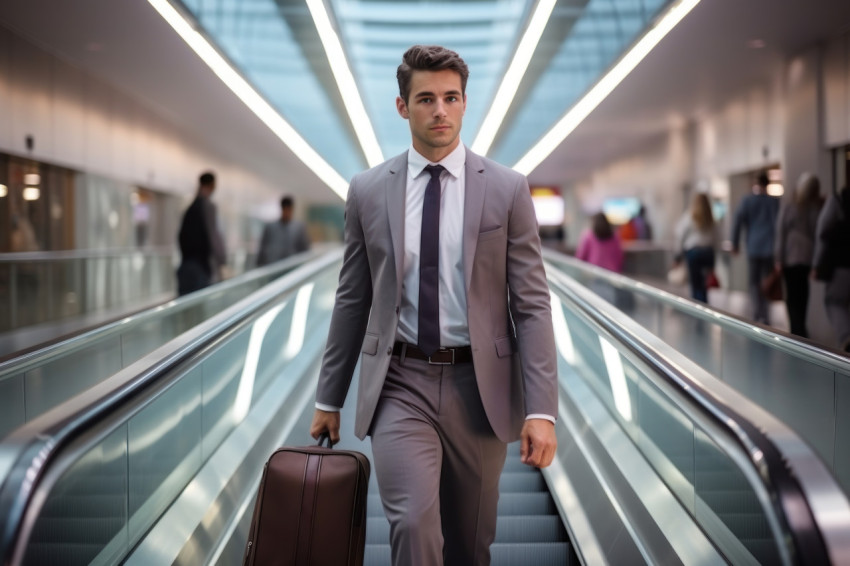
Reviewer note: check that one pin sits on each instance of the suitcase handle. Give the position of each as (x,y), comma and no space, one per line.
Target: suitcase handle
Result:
(325,436)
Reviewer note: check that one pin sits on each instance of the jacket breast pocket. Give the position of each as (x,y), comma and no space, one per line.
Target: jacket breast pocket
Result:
(370,344)
(491,234)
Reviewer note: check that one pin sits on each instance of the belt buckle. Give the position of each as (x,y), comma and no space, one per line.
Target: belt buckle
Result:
(451,363)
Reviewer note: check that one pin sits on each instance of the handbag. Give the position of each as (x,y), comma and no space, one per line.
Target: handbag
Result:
(771,286)
(711,281)
(678,274)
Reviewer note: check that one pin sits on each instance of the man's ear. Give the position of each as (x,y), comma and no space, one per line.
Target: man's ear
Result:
(402,108)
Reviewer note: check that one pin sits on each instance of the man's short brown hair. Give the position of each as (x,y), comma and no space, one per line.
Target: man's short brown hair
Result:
(429,58)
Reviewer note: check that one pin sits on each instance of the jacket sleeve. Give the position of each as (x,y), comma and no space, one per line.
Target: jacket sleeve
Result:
(830,217)
(263,251)
(350,313)
(781,234)
(740,220)
(530,306)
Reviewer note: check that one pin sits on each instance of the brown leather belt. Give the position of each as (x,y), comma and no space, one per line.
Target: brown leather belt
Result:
(443,356)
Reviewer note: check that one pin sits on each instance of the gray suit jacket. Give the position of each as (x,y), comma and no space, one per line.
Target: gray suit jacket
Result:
(510,323)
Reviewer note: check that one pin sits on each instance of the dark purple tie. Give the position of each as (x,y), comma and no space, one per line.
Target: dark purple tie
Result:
(429,265)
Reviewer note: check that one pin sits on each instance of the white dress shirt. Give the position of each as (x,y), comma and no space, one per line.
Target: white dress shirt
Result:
(454,327)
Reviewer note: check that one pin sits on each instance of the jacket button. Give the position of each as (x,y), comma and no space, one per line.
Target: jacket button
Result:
(389,351)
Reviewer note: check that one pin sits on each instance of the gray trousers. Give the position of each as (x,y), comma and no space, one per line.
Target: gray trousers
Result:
(438,465)
(837,304)
(759,268)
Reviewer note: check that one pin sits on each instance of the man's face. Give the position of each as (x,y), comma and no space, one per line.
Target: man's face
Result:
(435,109)
(286,213)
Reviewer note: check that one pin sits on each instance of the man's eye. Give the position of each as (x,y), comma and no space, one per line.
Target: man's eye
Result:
(425,100)
(452,99)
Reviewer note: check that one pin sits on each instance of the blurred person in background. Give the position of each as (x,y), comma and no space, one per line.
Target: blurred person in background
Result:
(600,246)
(795,247)
(637,228)
(757,215)
(201,246)
(698,238)
(283,237)
(832,262)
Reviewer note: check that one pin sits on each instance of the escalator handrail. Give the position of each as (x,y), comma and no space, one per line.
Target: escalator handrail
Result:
(51,351)
(810,504)
(35,449)
(792,345)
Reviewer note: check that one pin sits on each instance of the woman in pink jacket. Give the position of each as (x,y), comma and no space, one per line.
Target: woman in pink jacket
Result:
(600,246)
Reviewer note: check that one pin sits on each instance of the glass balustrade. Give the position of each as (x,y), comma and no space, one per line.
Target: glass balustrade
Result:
(802,385)
(708,482)
(33,384)
(135,467)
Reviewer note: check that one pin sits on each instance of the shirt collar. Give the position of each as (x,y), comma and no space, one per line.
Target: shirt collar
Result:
(453,162)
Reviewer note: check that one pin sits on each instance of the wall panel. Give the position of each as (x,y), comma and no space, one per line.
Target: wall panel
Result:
(69,114)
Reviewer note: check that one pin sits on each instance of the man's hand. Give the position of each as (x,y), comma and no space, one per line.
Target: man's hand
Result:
(324,421)
(538,443)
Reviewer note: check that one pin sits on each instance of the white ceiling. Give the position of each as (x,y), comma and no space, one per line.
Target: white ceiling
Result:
(142,55)
(702,63)
(698,67)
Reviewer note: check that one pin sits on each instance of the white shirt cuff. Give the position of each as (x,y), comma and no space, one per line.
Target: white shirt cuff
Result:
(328,408)
(549,418)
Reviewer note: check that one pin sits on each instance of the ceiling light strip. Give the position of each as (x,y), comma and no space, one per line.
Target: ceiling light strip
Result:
(510,83)
(346,83)
(570,121)
(252,99)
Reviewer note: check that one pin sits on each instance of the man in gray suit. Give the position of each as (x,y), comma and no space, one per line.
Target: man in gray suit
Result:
(443,291)
(283,237)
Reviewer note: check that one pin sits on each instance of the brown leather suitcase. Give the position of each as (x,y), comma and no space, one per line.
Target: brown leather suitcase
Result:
(311,509)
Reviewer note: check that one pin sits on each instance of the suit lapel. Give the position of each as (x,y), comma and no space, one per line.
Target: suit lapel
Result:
(396,191)
(476,185)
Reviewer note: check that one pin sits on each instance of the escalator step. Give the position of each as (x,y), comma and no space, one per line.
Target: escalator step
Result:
(62,553)
(731,501)
(512,482)
(513,530)
(76,529)
(545,554)
(87,505)
(539,503)
(528,479)
(750,526)
(722,480)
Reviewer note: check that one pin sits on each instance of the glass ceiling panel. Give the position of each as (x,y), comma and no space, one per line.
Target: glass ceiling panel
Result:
(376,33)
(276,47)
(600,34)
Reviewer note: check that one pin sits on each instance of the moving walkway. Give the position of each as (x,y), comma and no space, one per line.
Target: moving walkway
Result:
(658,460)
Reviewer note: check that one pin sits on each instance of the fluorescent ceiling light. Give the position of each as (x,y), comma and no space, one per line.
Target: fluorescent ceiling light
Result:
(346,83)
(32,179)
(565,126)
(299,321)
(4,190)
(617,378)
(245,392)
(31,193)
(252,99)
(563,338)
(513,77)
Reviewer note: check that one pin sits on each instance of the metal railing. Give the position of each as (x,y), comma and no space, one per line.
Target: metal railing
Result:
(35,382)
(803,385)
(681,418)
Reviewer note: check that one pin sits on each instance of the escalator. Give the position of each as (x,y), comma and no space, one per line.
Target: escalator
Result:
(33,383)
(658,461)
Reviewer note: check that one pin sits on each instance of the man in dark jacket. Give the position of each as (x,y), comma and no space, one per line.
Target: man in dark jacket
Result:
(201,246)
(832,262)
(757,214)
